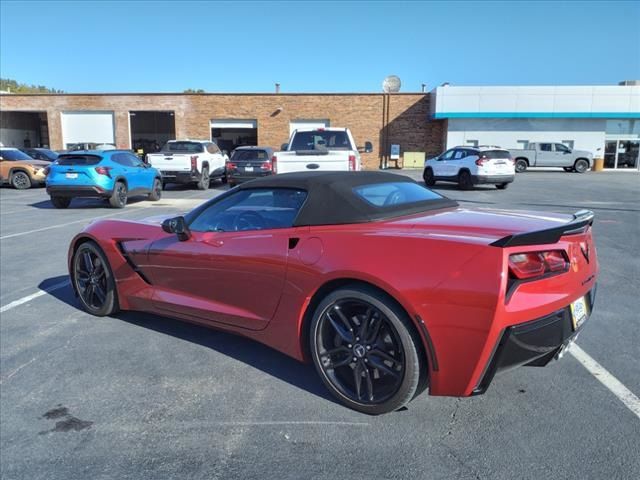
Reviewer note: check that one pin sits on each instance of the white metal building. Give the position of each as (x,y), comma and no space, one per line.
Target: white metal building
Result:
(602,119)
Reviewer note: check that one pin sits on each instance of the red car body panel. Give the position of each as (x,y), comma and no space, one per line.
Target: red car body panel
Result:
(438,265)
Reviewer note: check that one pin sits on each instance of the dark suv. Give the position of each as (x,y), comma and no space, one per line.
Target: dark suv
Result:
(247,163)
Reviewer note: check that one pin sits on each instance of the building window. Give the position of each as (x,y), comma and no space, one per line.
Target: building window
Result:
(568,143)
(523,144)
(473,143)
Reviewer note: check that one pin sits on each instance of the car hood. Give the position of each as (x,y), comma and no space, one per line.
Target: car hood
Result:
(484,225)
(36,163)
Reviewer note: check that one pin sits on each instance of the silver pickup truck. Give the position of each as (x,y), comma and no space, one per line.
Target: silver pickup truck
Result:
(549,154)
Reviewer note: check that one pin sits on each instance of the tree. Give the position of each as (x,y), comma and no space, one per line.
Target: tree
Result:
(12,86)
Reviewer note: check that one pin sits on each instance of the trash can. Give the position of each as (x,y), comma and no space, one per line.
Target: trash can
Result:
(598,164)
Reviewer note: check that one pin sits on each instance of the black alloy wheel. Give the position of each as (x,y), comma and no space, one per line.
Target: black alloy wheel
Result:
(156,191)
(427,176)
(118,198)
(93,280)
(364,351)
(20,180)
(464,180)
(581,165)
(521,165)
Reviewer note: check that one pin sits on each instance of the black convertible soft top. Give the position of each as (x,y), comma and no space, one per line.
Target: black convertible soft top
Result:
(332,198)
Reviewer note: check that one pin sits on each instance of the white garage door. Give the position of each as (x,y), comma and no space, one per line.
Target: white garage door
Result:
(87,127)
(321,123)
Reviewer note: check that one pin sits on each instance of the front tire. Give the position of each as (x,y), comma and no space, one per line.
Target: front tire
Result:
(428,177)
(20,181)
(581,165)
(521,165)
(118,198)
(502,186)
(365,350)
(156,191)
(61,202)
(93,280)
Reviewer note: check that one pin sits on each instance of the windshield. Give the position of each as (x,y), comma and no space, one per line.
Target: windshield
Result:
(78,160)
(495,154)
(14,155)
(321,140)
(182,147)
(240,155)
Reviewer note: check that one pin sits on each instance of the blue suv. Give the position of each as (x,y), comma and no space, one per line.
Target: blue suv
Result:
(111,174)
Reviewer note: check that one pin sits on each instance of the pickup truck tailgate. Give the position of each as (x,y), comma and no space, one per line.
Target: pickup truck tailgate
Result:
(175,162)
(302,161)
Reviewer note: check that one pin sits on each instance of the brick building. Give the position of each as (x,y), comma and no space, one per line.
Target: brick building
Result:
(147,120)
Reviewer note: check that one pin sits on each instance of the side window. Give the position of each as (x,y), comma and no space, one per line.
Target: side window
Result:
(256,209)
(545,147)
(448,155)
(212,148)
(561,148)
(135,161)
(459,154)
(121,159)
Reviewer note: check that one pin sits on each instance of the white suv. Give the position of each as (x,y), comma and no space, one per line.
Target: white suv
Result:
(469,166)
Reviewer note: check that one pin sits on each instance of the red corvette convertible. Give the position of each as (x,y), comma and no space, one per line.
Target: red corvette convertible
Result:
(386,286)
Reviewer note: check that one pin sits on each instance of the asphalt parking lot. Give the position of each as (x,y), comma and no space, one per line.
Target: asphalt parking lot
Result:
(138,396)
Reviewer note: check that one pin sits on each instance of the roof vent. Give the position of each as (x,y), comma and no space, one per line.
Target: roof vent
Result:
(630,83)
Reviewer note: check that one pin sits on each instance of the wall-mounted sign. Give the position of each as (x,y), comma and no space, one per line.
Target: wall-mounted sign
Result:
(395,151)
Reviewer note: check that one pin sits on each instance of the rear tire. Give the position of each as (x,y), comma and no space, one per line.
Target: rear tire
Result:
(156,191)
(428,177)
(386,361)
(203,183)
(20,180)
(465,182)
(521,165)
(502,186)
(581,165)
(93,280)
(118,198)
(61,202)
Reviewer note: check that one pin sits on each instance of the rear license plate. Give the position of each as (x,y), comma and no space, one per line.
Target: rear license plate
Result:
(72,175)
(579,312)
(248,169)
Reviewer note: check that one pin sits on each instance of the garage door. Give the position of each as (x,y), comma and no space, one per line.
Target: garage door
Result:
(296,124)
(232,123)
(87,127)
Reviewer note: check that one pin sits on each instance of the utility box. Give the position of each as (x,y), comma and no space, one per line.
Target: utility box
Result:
(413,160)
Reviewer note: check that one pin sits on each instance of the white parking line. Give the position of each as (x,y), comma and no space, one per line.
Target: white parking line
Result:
(614,385)
(33,296)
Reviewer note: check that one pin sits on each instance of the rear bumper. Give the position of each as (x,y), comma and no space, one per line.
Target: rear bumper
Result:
(532,344)
(78,191)
(180,177)
(245,177)
(494,179)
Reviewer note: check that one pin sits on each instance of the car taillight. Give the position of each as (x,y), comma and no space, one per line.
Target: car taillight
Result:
(194,163)
(274,164)
(46,171)
(230,166)
(536,264)
(352,162)
(266,166)
(481,161)
(103,171)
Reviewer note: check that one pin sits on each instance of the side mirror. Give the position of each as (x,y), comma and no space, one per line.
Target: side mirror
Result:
(178,226)
(368,147)
(284,146)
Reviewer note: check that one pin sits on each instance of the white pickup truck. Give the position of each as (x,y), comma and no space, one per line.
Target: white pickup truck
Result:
(319,149)
(548,154)
(189,161)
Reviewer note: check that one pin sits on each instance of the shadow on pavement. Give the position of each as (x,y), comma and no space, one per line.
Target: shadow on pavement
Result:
(239,348)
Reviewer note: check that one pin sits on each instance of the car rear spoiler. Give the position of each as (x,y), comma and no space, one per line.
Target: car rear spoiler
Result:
(581,221)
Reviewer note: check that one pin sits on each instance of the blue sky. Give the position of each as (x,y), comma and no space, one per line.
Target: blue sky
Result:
(168,46)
